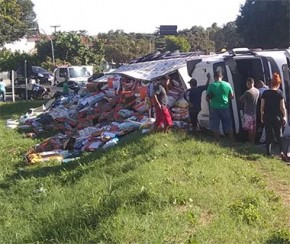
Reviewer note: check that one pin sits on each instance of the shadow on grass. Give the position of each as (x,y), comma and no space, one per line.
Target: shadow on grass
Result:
(77,168)
(9,110)
(74,223)
(240,147)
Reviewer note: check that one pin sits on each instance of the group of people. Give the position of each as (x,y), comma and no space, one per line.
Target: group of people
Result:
(268,103)
(261,104)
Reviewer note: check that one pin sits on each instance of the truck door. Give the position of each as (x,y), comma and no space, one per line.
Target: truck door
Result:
(234,79)
(227,68)
(286,76)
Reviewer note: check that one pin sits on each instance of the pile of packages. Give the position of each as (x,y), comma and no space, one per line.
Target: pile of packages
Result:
(96,119)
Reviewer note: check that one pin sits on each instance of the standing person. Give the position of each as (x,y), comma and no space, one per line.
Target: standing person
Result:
(65,88)
(150,99)
(260,85)
(193,97)
(261,134)
(273,115)
(163,117)
(3,90)
(250,100)
(219,94)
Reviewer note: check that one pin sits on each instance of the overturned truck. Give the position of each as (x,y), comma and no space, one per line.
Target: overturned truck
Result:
(236,66)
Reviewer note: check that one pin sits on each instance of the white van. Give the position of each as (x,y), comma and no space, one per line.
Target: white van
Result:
(236,66)
(79,74)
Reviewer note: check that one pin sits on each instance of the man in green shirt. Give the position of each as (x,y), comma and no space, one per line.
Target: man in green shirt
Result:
(219,94)
(65,87)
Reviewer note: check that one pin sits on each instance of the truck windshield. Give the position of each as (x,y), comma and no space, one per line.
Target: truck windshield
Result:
(75,72)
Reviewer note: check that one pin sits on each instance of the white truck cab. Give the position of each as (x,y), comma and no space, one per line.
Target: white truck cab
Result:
(79,74)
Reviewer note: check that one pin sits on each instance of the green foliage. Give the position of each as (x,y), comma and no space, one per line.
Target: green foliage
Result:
(176,43)
(280,236)
(75,48)
(224,37)
(264,24)
(198,39)
(121,47)
(16,17)
(11,60)
(246,210)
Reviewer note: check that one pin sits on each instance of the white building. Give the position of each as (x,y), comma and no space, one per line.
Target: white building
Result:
(23,45)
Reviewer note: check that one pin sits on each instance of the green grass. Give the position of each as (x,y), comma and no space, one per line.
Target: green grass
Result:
(154,188)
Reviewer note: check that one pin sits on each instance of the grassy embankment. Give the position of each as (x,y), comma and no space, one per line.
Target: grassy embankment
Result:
(154,188)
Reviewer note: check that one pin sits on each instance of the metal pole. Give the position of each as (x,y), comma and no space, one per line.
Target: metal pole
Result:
(12,83)
(52,53)
(26,83)
(52,49)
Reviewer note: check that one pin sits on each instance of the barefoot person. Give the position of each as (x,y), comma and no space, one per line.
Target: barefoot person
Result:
(250,100)
(163,117)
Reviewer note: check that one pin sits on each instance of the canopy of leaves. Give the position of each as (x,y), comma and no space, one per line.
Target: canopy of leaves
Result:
(198,39)
(225,37)
(12,60)
(121,47)
(75,48)
(16,17)
(177,43)
(265,24)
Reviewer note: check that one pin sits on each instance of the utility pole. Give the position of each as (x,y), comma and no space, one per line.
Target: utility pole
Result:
(51,43)
(54,26)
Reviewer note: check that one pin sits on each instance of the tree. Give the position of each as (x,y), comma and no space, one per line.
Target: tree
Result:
(264,23)
(12,60)
(231,37)
(224,37)
(121,47)
(16,18)
(176,43)
(71,48)
(198,39)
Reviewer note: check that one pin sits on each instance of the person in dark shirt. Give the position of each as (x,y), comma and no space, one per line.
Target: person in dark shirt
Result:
(163,117)
(193,97)
(273,115)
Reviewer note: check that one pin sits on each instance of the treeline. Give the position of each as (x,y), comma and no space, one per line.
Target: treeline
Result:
(253,28)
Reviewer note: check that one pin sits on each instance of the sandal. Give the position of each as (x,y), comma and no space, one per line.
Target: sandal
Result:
(285,158)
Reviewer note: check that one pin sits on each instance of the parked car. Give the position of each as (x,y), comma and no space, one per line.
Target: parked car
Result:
(74,87)
(37,73)
(44,76)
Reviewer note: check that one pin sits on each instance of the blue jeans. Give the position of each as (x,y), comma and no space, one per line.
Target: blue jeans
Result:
(3,95)
(220,114)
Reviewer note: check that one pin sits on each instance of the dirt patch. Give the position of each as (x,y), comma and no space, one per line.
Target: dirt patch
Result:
(283,191)
(280,189)
(206,217)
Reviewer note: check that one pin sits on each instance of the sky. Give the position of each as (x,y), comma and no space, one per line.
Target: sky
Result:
(101,16)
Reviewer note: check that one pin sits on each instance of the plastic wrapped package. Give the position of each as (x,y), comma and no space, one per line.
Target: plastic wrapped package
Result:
(111,143)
